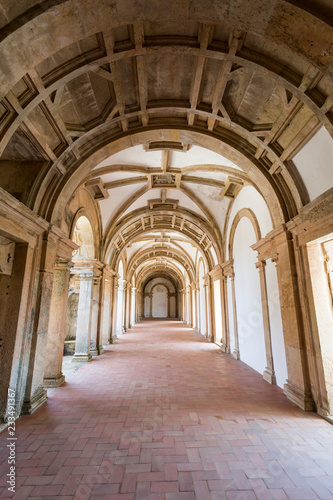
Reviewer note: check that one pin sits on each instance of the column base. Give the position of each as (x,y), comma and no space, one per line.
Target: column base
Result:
(81,358)
(94,352)
(298,397)
(322,412)
(269,376)
(31,405)
(52,382)
(225,348)
(235,354)
(100,349)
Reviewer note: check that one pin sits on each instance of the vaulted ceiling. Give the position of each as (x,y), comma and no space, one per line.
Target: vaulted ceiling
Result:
(164,111)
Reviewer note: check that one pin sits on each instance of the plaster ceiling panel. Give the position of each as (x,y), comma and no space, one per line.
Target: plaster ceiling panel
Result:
(184,201)
(134,247)
(143,200)
(165,84)
(214,174)
(211,197)
(111,205)
(197,155)
(134,156)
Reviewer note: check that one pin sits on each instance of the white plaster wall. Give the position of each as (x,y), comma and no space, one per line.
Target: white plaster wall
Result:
(160,301)
(279,353)
(218,312)
(147,307)
(248,298)
(250,198)
(314,163)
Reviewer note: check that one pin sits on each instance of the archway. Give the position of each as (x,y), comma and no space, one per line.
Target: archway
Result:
(160,301)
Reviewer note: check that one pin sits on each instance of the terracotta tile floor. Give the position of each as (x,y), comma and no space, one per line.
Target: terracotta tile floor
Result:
(163,414)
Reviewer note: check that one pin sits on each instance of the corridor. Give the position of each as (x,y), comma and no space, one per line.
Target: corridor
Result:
(164,414)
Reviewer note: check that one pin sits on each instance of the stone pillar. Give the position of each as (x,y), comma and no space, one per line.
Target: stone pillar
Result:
(226,346)
(35,394)
(115,308)
(197,295)
(169,296)
(84,316)
(132,315)
(235,352)
(53,376)
(298,387)
(121,307)
(151,304)
(95,345)
(128,306)
(210,308)
(105,322)
(16,324)
(269,373)
(206,308)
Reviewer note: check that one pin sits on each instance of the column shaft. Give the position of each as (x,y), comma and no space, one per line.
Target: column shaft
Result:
(269,373)
(53,376)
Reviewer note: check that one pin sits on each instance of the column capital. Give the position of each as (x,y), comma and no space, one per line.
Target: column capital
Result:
(260,265)
(228,268)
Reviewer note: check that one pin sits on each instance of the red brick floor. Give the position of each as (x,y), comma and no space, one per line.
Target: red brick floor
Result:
(163,414)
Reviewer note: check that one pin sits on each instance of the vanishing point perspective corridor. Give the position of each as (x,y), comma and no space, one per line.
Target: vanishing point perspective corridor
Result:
(165,414)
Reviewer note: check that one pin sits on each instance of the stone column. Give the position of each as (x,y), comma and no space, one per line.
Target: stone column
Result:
(206,308)
(84,316)
(121,309)
(95,345)
(128,306)
(269,373)
(133,308)
(151,304)
(235,352)
(35,394)
(115,308)
(169,304)
(226,346)
(210,309)
(105,327)
(53,376)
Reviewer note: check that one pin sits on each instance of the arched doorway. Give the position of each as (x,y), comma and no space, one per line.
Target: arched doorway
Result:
(160,301)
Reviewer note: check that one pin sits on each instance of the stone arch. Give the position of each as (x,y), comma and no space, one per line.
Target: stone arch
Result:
(244,212)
